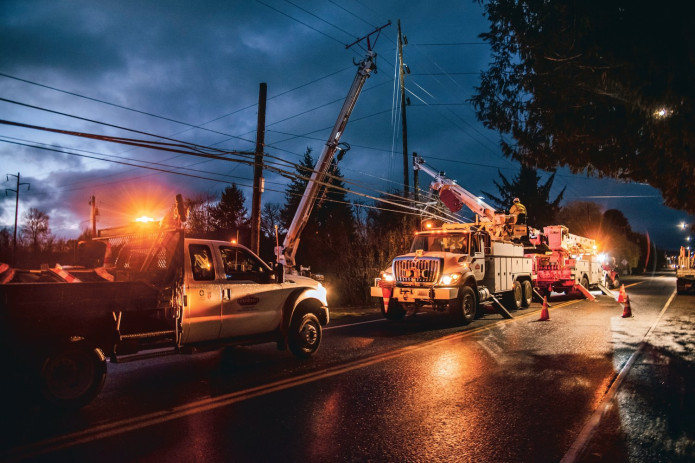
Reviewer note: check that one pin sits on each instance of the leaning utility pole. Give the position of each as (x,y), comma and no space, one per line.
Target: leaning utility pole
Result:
(16,210)
(401,73)
(258,172)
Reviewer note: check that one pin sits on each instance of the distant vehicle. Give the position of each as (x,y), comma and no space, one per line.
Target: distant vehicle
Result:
(685,272)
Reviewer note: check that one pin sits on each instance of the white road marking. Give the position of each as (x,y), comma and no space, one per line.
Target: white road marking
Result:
(594,420)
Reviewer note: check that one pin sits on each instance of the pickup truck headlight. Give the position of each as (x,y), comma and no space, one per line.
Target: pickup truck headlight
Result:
(387,276)
(449,279)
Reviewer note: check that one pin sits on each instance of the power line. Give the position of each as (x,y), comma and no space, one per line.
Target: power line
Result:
(448,44)
(300,22)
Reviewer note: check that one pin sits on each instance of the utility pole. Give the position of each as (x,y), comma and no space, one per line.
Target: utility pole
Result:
(93,215)
(16,210)
(416,193)
(402,69)
(258,181)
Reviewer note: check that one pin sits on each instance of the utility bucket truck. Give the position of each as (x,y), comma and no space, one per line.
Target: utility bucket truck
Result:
(562,262)
(459,266)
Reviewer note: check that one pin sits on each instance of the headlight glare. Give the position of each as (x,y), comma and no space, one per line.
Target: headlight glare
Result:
(449,279)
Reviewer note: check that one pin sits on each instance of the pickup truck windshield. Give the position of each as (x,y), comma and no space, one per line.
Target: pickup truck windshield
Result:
(450,242)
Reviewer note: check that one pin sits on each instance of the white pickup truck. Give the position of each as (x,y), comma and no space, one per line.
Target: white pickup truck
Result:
(147,294)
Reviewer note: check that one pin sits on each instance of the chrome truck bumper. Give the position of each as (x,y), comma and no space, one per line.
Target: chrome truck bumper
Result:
(406,294)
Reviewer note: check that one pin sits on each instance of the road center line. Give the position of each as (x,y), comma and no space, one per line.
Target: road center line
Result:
(593,422)
(131,424)
(354,324)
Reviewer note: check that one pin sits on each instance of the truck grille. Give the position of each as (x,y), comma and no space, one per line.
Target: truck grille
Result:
(420,270)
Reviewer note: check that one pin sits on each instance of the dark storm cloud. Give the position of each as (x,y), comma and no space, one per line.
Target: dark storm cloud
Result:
(198,62)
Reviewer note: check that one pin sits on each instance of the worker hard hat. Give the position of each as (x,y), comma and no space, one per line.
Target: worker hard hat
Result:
(516,200)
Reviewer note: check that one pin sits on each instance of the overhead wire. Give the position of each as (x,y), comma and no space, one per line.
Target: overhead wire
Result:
(178,148)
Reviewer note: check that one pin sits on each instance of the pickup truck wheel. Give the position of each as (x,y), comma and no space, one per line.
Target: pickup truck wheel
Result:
(512,299)
(527,291)
(73,375)
(395,311)
(305,335)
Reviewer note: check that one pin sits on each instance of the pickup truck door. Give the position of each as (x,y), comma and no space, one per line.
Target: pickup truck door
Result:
(203,300)
(251,302)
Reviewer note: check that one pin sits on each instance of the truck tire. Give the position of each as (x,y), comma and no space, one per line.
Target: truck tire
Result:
(305,335)
(512,299)
(527,291)
(72,375)
(585,282)
(395,311)
(463,309)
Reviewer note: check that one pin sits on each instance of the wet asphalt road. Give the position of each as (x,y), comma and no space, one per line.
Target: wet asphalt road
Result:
(584,386)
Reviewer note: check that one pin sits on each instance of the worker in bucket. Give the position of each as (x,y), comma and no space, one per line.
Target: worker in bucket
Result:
(518,210)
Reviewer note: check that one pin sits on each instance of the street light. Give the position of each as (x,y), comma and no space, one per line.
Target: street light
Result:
(661,113)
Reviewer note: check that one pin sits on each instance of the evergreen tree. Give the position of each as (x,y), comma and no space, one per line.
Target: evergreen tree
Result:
(331,225)
(536,197)
(229,214)
(601,87)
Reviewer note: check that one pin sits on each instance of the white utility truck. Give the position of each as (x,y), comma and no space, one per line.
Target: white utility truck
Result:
(456,268)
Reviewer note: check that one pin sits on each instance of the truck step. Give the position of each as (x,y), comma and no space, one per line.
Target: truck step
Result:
(148,335)
(148,354)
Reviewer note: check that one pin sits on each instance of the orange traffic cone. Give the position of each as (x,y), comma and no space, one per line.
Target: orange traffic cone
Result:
(544,311)
(627,312)
(623,295)
(386,296)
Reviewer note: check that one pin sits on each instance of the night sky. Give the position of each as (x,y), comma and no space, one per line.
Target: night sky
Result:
(191,71)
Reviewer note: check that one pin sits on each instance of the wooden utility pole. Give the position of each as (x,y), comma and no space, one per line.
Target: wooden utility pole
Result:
(258,182)
(16,210)
(401,73)
(93,215)
(416,193)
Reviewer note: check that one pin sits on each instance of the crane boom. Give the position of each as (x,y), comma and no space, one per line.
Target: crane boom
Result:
(288,251)
(455,196)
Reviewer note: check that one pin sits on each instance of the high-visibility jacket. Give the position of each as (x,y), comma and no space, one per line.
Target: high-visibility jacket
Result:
(517,208)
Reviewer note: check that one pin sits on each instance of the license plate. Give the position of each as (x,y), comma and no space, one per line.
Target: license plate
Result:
(422,293)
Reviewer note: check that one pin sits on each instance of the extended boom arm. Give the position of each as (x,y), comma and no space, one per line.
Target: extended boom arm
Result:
(455,196)
(289,249)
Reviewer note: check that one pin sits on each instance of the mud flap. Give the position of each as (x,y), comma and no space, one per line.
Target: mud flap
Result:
(500,308)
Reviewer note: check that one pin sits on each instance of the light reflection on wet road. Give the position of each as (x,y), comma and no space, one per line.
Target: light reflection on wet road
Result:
(418,390)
